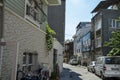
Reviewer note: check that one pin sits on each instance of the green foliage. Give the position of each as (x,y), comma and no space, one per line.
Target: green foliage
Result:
(49,37)
(114,42)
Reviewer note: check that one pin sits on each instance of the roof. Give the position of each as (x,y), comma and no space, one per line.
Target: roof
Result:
(82,24)
(105,4)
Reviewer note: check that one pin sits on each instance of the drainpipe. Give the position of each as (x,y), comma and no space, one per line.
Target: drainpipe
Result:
(1,19)
(1,33)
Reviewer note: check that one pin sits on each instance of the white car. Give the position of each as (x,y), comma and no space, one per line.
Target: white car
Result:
(91,66)
(73,62)
(107,67)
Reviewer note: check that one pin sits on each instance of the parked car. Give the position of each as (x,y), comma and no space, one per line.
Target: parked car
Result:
(73,62)
(107,67)
(91,66)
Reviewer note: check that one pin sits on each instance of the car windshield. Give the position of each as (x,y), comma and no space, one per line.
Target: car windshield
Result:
(112,60)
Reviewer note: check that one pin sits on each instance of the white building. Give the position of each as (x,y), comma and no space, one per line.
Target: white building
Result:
(56,56)
(22,28)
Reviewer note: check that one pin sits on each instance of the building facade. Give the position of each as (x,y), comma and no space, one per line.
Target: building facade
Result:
(103,23)
(86,48)
(82,40)
(68,52)
(56,20)
(22,30)
(56,56)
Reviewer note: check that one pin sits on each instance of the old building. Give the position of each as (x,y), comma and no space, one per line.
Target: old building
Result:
(56,56)
(68,52)
(103,23)
(82,40)
(86,48)
(22,36)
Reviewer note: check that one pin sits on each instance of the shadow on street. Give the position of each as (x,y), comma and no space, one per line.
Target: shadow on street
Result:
(75,76)
(67,74)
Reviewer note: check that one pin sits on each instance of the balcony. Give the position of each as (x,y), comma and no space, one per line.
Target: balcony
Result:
(98,33)
(98,23)
(53,2)
(98,42)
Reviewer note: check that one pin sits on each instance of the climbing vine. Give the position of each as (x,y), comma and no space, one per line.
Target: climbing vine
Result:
(49,37)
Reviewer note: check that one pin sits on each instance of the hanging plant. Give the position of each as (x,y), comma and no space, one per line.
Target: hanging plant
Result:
(49,37)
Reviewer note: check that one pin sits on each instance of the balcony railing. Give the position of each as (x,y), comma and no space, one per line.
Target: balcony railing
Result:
(35,14)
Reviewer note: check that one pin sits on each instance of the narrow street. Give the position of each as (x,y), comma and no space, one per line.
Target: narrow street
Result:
(71,72)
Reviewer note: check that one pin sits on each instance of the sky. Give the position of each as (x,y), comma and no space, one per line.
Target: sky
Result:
(77,11)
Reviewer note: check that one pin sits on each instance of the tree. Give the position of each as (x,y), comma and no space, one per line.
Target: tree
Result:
(49,37)
(114,43)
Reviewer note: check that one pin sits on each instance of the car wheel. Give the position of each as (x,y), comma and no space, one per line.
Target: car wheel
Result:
(88,69)
(93,70)
(102,76)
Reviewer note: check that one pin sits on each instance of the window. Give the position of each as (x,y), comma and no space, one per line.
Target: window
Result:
(112,60)
(29,68)
(24,68)
(24,58)
(27,10)
(30,58)
(98,24)
(86,42)
(115,23)
(27,58)
(98,42)
(32,12)
(118,24)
